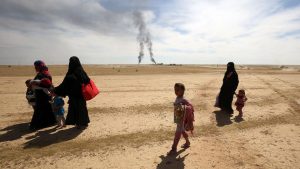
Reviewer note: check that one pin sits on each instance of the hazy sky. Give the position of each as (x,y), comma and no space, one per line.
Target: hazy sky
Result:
(183,31)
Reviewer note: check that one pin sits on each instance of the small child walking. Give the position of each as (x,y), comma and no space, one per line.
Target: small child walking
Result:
(183,117)
(240,102)
(57,104)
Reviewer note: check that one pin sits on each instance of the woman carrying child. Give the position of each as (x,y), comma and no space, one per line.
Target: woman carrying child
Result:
(42,115)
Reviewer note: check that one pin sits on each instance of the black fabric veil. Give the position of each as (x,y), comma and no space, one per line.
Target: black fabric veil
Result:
(76,69)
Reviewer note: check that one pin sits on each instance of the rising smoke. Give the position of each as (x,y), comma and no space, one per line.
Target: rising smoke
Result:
(144,37)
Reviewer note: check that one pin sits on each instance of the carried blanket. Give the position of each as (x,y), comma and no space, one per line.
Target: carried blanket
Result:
(184,113)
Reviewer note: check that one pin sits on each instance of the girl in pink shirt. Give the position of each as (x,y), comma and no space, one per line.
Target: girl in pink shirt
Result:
(240,102)
(183,117)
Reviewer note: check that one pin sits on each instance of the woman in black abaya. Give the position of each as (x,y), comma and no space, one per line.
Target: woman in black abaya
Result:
(71,87)
(230,83)
(42,115)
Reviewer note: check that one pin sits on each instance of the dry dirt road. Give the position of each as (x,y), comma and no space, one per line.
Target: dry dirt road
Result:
(131,124)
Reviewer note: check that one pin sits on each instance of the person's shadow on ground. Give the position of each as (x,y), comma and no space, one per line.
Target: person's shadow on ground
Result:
(171,162)
(48,137)
(14,132)
(222,118)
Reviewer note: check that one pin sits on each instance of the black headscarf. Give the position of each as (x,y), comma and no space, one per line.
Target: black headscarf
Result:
(76,69)
(230,80)
(230,67)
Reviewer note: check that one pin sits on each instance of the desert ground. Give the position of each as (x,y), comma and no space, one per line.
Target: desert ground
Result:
(132,120)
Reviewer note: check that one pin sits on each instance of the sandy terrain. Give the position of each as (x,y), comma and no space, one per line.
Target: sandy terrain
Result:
(132,121)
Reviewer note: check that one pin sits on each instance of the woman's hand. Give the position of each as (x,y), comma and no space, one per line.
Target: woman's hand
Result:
(52,93)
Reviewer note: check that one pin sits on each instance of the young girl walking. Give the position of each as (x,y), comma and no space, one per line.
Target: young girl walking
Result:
(183,117)
(240,102)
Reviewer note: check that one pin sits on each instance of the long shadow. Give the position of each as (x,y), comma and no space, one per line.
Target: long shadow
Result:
(171,162)
(14,132)
(222,118)
(48,137)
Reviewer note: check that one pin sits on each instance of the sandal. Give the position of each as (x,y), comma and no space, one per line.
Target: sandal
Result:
(186,145)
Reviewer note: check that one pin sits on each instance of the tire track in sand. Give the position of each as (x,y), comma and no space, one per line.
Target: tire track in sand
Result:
(291,98)
(141,138)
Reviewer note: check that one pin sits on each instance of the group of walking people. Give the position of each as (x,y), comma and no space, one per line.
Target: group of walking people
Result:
(184,110)
(43,115)
(46,95)
(229,86)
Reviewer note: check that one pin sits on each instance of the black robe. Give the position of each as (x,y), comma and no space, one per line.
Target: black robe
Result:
(77,111)
(227,91)
(42,115)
